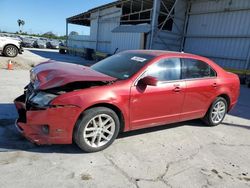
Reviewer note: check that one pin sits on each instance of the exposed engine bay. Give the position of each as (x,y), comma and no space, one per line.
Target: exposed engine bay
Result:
(39,99)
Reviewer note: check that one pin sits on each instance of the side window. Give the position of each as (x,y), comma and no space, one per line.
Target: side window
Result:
(166,69)
(192,68)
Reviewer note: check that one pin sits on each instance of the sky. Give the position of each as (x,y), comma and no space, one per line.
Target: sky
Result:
(41,16)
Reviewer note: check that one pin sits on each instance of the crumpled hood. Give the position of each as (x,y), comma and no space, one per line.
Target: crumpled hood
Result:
(52,74)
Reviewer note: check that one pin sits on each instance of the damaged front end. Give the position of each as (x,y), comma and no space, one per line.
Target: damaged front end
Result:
(39,120)
(43,123)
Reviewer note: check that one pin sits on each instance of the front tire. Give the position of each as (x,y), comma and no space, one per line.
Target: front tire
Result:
(96,129)
(10,51)
(217,112)
(62,51)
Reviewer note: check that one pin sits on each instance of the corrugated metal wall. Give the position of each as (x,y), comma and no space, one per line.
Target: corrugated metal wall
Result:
(80,41)
(220,30)
(101,28)
(101,25)
(126,41)
(167,41)
(101,37)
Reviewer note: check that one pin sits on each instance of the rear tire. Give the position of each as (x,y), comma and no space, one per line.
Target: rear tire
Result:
(248,82)
(242,80)
(96,129)
(10,51)
(217,112)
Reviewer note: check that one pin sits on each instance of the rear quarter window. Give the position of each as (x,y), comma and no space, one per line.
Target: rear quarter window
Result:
(192,68)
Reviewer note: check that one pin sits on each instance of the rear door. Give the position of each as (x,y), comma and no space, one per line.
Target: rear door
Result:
(154,105)
(201,88)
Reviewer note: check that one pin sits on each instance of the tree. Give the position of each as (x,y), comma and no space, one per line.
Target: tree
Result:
(20,24)
(49,34)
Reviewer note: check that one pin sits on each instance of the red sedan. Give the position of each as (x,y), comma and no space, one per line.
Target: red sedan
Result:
(131,90)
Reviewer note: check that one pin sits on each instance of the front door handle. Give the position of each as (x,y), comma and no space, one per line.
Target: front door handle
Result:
(214,85)
(177,88)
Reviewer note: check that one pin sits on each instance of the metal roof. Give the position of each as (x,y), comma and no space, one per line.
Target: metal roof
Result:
(84,18)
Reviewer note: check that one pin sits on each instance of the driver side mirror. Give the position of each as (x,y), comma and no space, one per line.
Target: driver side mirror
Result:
(148,80)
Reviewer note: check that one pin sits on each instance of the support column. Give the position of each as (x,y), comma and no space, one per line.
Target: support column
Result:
(185,26)
(154,21)
(97,31)
(67,32)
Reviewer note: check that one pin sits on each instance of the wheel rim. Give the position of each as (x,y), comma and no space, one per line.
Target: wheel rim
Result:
(99,130)
(11,51)
(218,112)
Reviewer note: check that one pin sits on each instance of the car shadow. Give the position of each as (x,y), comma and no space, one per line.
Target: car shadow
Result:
(193,123)
(236,125)
(12,140)
(242,107)
(56,56)
(241,110)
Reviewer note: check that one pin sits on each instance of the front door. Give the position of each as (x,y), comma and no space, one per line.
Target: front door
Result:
(161,104)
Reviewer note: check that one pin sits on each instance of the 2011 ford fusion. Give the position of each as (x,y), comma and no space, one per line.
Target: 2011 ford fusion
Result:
(127,91)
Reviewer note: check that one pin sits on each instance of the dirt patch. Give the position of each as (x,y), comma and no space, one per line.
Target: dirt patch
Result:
(24,61)
(86,177)
(214,171)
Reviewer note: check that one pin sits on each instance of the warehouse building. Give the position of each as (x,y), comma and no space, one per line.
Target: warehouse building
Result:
(218,29)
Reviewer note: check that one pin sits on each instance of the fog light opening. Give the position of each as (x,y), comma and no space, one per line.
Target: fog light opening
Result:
(45,129)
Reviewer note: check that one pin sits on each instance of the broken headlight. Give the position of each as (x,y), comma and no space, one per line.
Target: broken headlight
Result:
(32,76)
(42,99)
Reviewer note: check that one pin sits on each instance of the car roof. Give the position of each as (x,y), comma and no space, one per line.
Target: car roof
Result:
(158,53)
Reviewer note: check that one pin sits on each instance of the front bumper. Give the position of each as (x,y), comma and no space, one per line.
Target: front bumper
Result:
(20,51)
(59,121)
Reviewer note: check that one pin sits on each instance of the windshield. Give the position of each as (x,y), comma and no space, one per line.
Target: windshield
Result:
(54,43)
(122,65)
(41,42)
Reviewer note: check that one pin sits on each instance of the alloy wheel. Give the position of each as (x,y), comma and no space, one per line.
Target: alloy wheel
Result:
(11,51)
(218,112)
(99,130)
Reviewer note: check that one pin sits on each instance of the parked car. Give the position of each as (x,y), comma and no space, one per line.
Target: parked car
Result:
(62,47)
(39,44)
(10,47)
(52,44)
(131,90)
(27,42)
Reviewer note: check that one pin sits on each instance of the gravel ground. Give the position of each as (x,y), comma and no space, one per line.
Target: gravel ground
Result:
(186,154)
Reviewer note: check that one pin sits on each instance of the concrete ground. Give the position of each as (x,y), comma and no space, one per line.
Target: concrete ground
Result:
(186,154)
(34,56)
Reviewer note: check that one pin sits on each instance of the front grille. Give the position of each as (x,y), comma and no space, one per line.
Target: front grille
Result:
(21,111)
(22,115)
(28,92)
